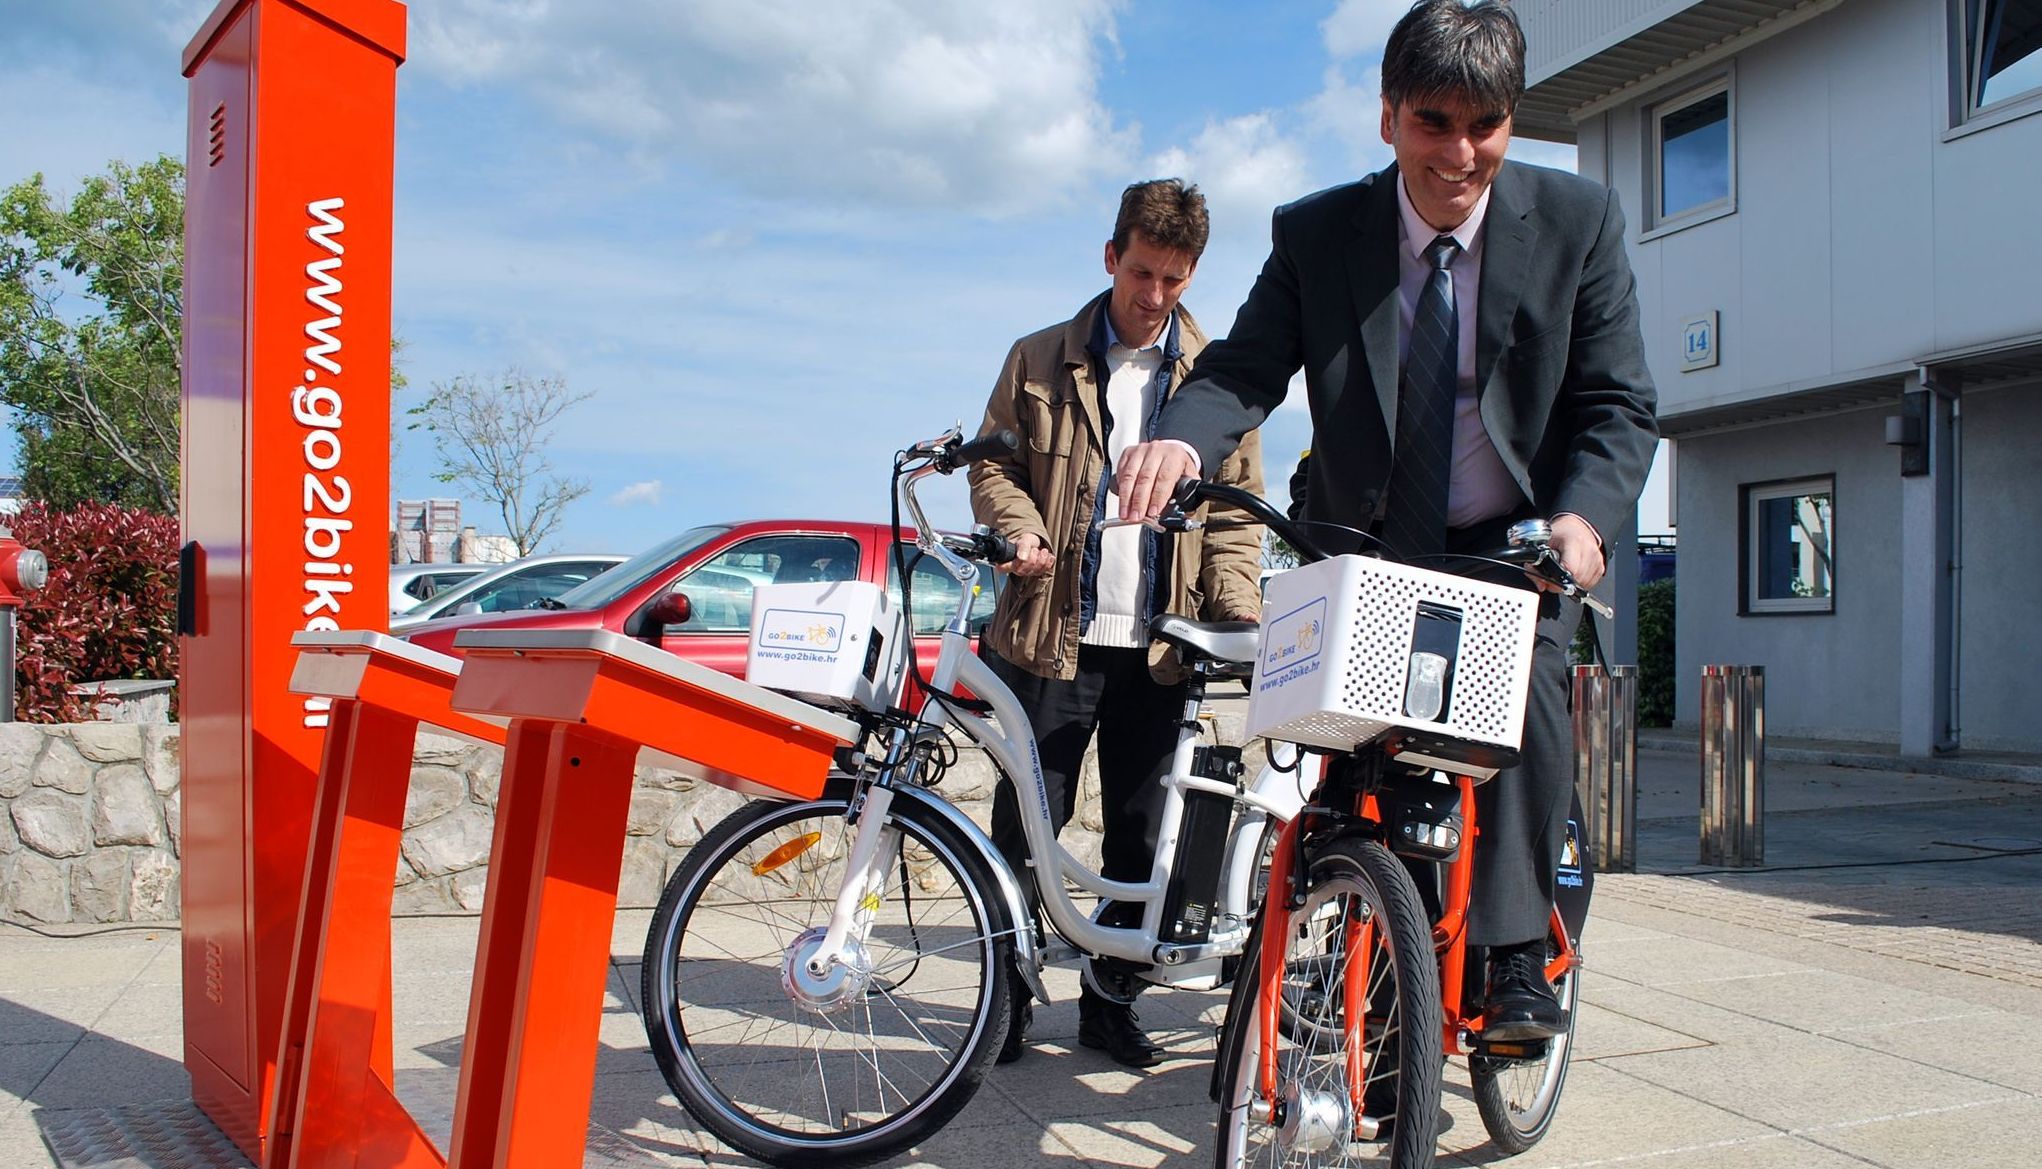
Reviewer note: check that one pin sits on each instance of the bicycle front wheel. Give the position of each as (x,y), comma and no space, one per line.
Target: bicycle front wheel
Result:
(1519,1097)
(847,1068)
(1360,936)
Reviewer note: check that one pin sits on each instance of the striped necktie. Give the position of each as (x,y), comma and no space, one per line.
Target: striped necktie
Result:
(1423,458)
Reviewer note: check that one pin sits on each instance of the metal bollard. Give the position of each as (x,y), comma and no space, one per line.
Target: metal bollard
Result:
(1733,765)
(1606,763)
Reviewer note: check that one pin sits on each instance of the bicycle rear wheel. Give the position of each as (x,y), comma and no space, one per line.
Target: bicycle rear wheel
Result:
(1311,1121)
(859,1064)
(1518,1098)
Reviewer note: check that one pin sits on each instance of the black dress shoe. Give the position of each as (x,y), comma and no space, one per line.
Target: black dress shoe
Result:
(1114,1029)
(1022,1015)
(1521,1002)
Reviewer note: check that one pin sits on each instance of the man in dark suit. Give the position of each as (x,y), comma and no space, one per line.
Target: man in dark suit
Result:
(1468,330)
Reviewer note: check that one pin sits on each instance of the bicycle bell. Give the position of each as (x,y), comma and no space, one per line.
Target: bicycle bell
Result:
(1534,532)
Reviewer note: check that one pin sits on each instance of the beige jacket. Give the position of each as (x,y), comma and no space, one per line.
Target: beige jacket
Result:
(1049,396)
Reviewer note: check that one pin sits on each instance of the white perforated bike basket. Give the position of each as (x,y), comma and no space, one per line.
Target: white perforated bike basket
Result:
(1354,648)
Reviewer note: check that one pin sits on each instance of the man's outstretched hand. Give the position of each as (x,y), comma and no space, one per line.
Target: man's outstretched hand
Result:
(1148,475)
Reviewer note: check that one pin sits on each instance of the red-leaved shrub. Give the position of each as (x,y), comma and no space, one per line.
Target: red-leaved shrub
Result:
(109,610)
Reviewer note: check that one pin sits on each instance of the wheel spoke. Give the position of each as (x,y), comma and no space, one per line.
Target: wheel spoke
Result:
(862,1061)
(1310,1122)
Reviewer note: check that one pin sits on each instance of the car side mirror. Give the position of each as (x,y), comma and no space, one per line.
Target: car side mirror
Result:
(467,608)
(672,609)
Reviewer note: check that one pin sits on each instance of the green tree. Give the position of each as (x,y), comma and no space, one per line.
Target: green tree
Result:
(91,312)
(491,435)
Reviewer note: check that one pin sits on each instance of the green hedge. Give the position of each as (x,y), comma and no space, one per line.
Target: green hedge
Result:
(1655,654)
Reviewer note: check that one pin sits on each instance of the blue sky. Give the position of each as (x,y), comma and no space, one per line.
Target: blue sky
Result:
(776,239)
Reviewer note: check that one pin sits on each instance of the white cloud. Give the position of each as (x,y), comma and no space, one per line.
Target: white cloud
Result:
(918,102)
(1245,166)
(1359,27)
(1351,111)
(647,492)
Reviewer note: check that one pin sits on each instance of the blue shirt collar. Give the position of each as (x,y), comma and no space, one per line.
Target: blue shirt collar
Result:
(1104,338)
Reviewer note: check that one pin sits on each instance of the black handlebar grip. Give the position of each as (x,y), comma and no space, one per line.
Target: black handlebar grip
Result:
(997,548)
(986,446)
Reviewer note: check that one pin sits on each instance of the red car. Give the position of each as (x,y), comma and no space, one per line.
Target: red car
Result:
(716,568)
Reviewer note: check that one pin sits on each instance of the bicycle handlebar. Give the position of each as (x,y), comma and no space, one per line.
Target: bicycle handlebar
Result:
(986,446)
(983,544)
(1528,549)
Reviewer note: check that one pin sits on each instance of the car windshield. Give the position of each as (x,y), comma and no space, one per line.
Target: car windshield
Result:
(511,586)
(600,591)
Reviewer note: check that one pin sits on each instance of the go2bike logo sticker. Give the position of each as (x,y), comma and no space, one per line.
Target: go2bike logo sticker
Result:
(800,635)
(1291,645)
(1570,857)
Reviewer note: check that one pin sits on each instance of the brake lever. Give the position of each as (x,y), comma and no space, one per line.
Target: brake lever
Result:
(1158,524)
(1594,602)
(1549,569)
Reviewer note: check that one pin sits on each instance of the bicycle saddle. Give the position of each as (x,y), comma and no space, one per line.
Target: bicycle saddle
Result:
(1222,641)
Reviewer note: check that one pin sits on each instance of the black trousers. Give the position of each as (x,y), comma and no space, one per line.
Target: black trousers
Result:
(1522,812)
(1136,721)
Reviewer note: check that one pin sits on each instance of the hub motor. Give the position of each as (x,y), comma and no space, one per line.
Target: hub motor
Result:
(843,984)
(1312,1121)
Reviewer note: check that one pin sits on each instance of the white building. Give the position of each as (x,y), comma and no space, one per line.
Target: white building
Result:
(1833,219)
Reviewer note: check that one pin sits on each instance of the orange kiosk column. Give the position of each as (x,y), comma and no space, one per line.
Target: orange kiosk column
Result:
(285,482)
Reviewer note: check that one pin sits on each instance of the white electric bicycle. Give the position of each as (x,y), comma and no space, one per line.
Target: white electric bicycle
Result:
(827,981)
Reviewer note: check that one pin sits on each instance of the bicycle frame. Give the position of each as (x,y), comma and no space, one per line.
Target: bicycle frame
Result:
(1008,739)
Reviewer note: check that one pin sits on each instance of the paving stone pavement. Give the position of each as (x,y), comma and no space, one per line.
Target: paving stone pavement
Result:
(1872,998)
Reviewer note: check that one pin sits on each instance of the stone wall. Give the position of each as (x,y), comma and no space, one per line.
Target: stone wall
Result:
(89,822)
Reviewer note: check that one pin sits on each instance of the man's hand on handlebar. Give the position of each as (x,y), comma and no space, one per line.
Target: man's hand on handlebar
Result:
(1147,475)
(1579,550)
(1030,557)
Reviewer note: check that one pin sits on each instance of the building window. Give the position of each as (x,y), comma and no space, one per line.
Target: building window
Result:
(1790,547)
(2002,53)
(1694,154)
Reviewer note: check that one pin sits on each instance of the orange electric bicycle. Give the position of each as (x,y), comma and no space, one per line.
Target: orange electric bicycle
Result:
(1359,980)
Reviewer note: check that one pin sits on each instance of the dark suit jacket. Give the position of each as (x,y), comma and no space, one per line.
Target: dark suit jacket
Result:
(1559,363)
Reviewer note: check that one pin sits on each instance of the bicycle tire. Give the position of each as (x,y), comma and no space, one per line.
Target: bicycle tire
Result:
(1519,1098)
(1346,874)
(794,1079)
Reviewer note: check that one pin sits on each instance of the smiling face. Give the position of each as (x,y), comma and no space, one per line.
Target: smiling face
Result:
(1448,152)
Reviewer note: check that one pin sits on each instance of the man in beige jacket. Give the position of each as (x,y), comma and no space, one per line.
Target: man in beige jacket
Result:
(1070,635)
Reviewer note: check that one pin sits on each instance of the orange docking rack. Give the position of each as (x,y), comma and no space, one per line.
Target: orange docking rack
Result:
(576,711)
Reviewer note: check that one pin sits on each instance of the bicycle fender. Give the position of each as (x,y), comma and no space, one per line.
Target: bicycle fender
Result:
(1027,959)
(1240,1013)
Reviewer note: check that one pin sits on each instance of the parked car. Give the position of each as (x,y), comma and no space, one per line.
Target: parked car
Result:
(716,568)
(412,585)
(507,588)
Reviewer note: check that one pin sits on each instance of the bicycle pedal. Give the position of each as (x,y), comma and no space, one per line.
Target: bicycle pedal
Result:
(1511,1050)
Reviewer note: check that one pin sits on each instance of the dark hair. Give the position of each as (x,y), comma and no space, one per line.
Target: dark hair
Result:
(1169,213)
(1444,48)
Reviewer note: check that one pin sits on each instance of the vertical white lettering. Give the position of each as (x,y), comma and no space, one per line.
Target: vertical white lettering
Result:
(317,408)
